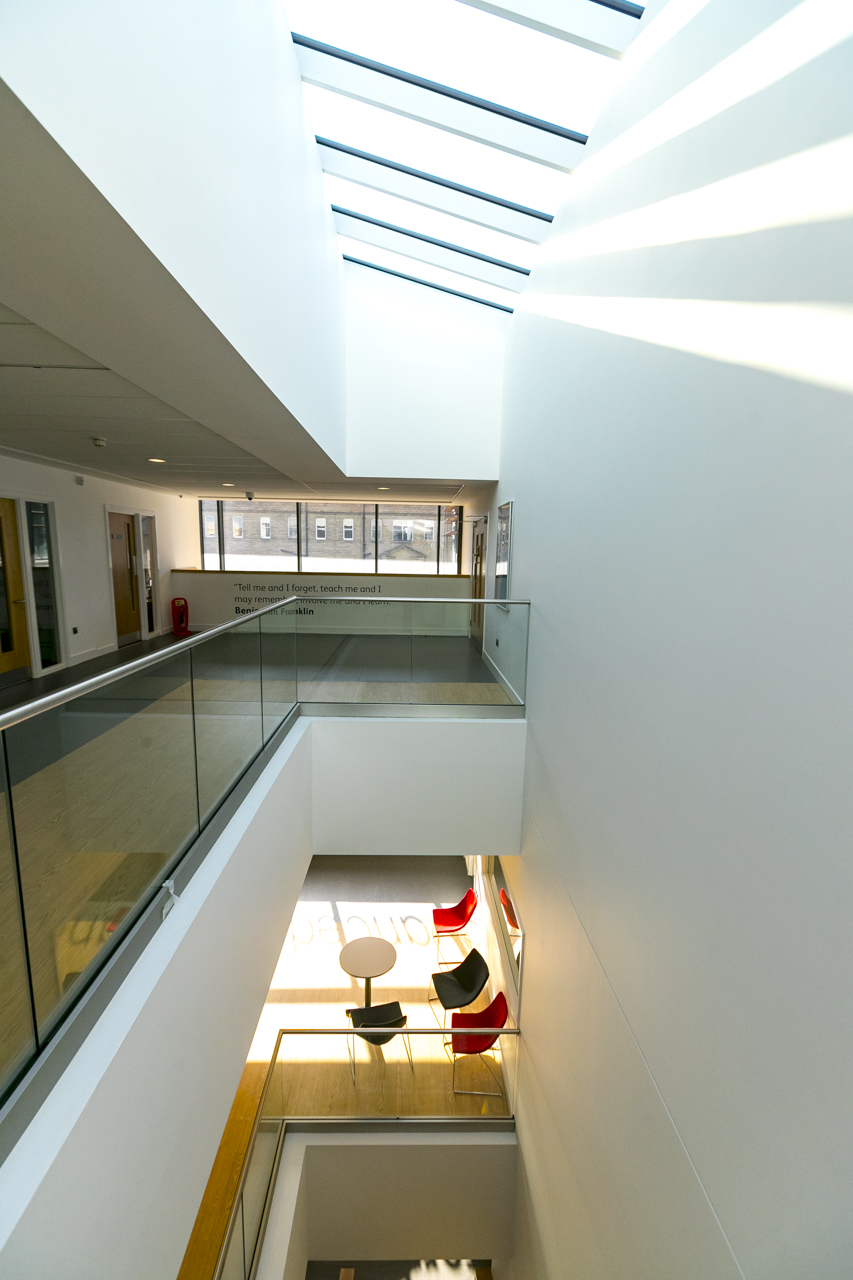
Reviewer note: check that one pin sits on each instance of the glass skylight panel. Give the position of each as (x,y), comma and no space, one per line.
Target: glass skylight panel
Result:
(467,49)
(420,146)
(414,217)
(426,271)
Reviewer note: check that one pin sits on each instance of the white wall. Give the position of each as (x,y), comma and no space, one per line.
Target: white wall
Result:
(683,524)
(188,119)
(108,1178)
(402,787)
(215,597)
(424,380)
(83,547)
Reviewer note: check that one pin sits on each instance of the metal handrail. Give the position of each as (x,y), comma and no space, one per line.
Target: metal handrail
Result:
(405,1031)
(259,1114)
(16,715)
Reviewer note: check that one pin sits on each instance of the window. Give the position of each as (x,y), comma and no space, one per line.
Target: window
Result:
(449,540)
(210,526)
(429,530)
(291,527)
(266,527)
(373,530)
(339,543)
(236,526)
(403,531)
(44,583)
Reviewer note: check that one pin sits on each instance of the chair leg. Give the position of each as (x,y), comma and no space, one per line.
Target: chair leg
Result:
(351,1056)
(479,1093)
(448,964)
(432,1001)
(408,1046)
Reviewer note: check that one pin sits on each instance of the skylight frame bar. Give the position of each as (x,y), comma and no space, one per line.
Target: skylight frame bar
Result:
(431,177)
(622,6)
(428,284)
(439,244)
(575,24)
(457,95)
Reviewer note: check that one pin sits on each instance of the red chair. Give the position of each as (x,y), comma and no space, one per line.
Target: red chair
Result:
(509,911)
(452,920)
(460,1045)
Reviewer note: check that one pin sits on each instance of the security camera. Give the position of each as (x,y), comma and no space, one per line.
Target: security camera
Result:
(249,494)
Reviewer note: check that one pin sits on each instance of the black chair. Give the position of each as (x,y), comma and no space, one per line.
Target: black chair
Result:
(460,986)
(387,1018)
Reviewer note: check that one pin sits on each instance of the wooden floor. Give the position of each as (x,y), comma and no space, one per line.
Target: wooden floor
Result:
(208,1235)
(310,989)
(312,1077)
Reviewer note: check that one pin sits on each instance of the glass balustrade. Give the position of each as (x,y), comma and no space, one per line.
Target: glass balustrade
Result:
(340,1073)
(103,792)
(337,1073)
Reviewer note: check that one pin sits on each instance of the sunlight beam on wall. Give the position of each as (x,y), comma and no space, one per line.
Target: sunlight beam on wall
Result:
(809,30)
(664,26)
(810,342)
(811,186)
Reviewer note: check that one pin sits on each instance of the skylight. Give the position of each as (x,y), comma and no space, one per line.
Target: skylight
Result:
(448,133)
(469,50)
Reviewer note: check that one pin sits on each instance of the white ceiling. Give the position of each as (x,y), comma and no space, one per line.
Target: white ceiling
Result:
(55,402)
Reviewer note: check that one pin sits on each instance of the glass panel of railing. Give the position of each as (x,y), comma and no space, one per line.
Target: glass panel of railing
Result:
(278,667)
(387,1073)
(17,1042)
(505,628)
(422,652)
(355,650)
(104,797)
(448,667)
(233,1265)
(227,701)
(257,1184)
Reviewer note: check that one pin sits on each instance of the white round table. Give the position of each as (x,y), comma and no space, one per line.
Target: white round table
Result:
(367,958)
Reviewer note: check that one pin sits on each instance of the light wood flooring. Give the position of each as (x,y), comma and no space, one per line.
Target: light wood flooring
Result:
(310,989)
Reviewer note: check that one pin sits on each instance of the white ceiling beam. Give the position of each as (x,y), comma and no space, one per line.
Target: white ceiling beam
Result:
(593,26)
(546,143)
(424,190)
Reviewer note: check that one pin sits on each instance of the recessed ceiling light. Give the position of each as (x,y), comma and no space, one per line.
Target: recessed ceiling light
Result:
(156,459)
(226,484)
(383,486)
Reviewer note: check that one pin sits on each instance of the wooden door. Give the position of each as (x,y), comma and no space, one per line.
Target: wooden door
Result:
(14,640)
(478,581)
(123,556)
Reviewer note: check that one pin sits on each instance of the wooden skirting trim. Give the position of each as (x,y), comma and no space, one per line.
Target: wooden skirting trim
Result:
(211,1224)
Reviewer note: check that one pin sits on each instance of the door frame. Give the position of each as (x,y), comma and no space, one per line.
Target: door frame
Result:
(27,578)
(136,514)
(474,523)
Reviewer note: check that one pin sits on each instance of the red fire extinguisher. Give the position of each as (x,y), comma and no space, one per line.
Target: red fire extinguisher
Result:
(180,617)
